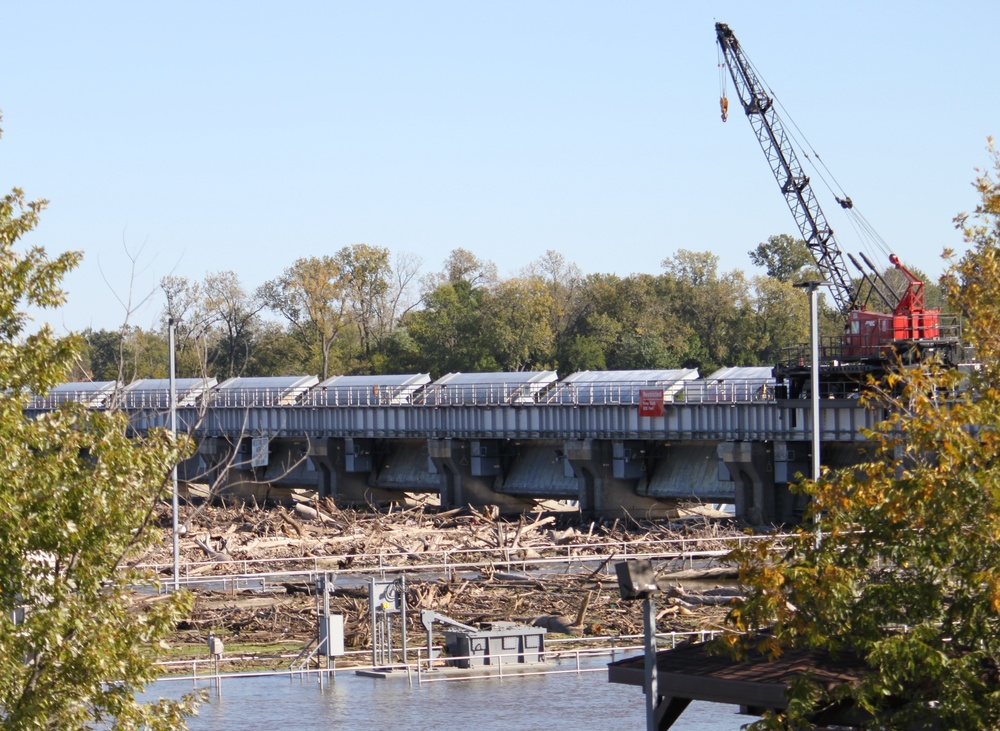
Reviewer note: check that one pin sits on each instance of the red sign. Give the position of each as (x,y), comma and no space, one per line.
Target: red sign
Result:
(650,402)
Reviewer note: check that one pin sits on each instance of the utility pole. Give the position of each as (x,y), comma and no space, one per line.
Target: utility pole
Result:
(814,365)
(171,327)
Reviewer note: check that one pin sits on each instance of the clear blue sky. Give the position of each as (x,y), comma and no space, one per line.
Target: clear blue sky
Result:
(204,136)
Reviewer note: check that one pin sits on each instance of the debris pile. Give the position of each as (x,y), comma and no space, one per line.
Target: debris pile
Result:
(543,569)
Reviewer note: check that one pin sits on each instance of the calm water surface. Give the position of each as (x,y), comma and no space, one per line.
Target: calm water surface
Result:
(571,701)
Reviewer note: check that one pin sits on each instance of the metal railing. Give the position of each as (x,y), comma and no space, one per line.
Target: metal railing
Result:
(574,651)
(626,393)
(681,553)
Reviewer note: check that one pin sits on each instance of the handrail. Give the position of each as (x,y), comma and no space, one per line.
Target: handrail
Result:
(599,645)
(487,394)
(452,559)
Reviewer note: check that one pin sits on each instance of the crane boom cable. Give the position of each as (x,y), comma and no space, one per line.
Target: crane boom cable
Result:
(873,235)
(869,237)
(862,232)
(866,234)
(807,149)
(803,147)
(874,342)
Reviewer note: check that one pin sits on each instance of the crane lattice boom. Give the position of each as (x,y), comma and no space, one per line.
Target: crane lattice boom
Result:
(792,181)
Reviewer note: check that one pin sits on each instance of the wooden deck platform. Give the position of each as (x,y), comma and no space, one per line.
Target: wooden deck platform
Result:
(692,672)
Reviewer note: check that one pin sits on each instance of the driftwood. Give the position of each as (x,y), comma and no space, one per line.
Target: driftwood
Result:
(719,596)
(583,610)
(211,552)
(296,526)
(523,529)
(710,572)
(307,512)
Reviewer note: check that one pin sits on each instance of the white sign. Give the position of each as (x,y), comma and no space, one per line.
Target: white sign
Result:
(258,456)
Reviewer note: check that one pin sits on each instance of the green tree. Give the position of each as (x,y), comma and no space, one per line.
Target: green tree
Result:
(102,353)
(775,317)
(641,351)
(76,497)
(904,571)
(624,323)
(279,351)
(517,316)
(564,282)
(591,345)
(123,355)
(448,331)
(785,258)
(708,304)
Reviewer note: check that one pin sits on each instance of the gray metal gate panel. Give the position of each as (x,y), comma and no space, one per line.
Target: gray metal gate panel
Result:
(688,471)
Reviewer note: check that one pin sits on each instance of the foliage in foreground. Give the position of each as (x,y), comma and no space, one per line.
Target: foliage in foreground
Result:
(76,495)
(905,570)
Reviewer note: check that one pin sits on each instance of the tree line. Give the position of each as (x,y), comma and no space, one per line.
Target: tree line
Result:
(363,310)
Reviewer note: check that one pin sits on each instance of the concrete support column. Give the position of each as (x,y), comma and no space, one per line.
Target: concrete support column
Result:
(217,458)
(453,458)
(751,465)
(345,480)
(601,493)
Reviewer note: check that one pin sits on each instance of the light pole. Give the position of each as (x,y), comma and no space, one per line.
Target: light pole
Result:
(814,362)
(171,327)
(637,580)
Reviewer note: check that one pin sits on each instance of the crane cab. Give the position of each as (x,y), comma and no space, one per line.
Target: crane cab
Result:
(868,334)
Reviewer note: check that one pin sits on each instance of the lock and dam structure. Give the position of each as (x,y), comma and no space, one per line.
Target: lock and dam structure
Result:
(610,443)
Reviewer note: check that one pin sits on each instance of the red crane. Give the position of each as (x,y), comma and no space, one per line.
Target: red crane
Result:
(903,323)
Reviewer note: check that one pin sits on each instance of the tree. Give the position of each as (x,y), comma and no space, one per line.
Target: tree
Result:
(104,352)
(193,324)
(622,324)
(785,258)
(517,313)
(235,316)
(709,304)
(391,305)
(592,344)
(366,271)
(279,351)
(776,317)
(448,332)
(76,499)
(461,265)
(904,571)
(694,268)
(123,355)
(311,296)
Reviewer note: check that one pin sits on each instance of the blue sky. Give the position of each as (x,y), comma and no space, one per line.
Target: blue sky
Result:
(194,137)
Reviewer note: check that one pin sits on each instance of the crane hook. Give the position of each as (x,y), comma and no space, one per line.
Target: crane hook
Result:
(724,103)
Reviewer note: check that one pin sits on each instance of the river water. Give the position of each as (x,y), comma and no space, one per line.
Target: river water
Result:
(577,701)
